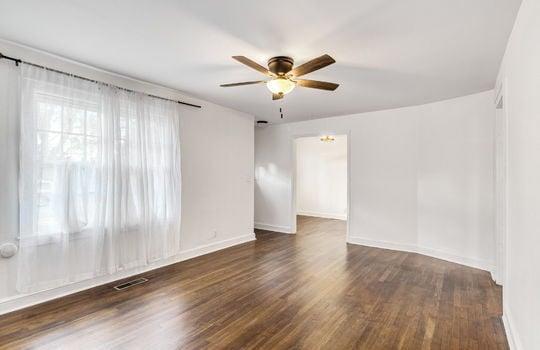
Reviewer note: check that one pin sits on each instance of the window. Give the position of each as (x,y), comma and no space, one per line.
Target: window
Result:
(99,164)
(96,158)
(66,143)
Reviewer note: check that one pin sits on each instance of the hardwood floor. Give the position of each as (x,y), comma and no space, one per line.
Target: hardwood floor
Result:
(304,291)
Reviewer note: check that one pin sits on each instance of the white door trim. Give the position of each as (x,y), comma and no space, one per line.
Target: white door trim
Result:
(292,147)
(501,180)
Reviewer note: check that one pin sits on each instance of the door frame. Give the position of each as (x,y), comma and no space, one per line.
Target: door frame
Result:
(501,186)
(293,176)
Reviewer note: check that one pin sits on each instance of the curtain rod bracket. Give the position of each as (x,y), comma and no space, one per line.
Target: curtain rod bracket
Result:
(16,60)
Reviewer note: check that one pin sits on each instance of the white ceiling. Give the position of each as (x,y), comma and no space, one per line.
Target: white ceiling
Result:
(389,53)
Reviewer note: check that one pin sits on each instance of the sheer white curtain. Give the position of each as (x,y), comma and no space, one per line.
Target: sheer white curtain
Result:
(99,179)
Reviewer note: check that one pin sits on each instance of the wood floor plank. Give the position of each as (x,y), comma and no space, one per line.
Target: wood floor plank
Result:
(305,291)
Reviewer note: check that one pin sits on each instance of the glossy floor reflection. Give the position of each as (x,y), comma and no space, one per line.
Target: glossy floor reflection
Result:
(304,291)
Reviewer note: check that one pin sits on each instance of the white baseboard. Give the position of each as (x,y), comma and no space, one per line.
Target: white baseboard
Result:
(458,259)
(435,253)
(274,228)
(323,215)
(383,244)
(26,300)
(511,335)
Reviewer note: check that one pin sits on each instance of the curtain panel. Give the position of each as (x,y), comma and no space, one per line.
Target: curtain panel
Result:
(99,179)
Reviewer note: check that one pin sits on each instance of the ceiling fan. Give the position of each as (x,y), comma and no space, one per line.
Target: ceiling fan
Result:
(284,76)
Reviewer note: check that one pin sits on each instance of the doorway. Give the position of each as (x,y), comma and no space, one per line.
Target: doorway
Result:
(321,178)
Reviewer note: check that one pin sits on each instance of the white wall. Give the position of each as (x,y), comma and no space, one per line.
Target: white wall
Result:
(519,79)
(421,178)
(217,172)
(321,177)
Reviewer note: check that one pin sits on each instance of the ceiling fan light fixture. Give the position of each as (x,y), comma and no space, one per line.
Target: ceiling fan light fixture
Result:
(280,86)
(284,77)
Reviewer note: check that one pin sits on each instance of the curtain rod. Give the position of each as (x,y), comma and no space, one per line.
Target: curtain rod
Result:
(18,61)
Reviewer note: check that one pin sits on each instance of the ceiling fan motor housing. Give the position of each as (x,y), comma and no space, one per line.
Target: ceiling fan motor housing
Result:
(280,65)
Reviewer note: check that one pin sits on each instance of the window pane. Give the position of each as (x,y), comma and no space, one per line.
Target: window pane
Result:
(44,194)
(73,147)
(47,222)
(48,146)
(74,120)
(49,116)
(123,128)
(91,149)
(132,126)
(91,123)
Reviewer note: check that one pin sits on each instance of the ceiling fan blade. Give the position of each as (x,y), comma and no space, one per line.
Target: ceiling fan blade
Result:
(254,65)
(244,83)
(277,96)
(314,84)
(311,66)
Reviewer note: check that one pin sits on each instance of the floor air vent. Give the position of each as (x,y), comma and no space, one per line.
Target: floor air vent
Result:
(130,283)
